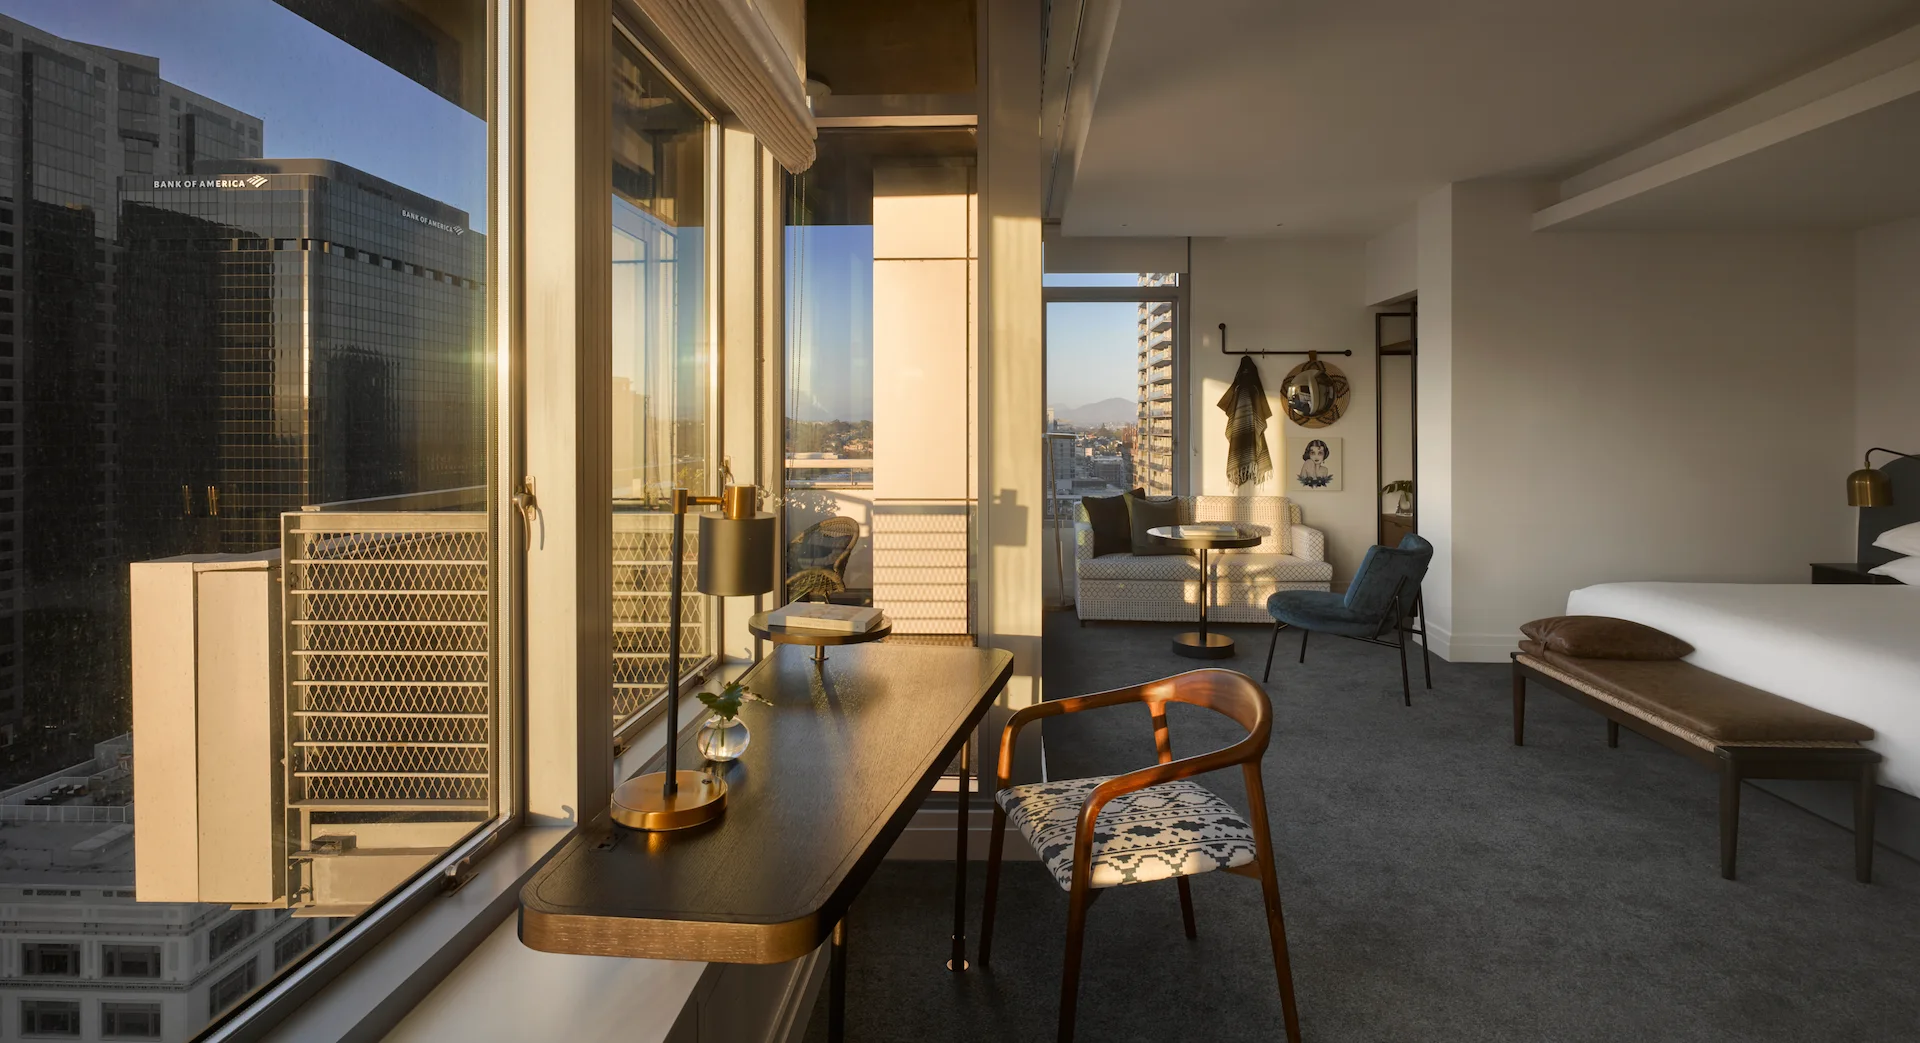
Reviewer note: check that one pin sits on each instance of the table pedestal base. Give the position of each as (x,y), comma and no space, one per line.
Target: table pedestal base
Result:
(1203,646)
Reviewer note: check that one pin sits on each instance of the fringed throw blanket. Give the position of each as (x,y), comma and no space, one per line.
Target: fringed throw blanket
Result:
(1245,404)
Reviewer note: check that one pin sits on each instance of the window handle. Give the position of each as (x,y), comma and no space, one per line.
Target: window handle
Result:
(529,507)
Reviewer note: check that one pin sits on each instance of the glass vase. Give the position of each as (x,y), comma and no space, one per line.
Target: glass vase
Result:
(721,739)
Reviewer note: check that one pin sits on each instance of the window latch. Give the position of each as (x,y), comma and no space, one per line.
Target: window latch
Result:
(529,507)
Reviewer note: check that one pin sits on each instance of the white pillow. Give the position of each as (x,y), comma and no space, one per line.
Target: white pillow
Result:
(1904,539)
(1906,570)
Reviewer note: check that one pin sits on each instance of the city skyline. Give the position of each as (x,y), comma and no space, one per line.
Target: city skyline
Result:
(418,139)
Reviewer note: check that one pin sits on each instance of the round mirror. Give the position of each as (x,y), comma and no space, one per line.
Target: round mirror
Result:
(1315,393)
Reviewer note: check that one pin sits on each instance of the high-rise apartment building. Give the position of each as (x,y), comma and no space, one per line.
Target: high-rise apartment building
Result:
(1153,437)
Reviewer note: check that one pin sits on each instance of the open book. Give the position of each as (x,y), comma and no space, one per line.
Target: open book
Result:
(838,619)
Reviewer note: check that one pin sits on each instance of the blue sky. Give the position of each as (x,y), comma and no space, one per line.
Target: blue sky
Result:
(318,96)
(1092,351)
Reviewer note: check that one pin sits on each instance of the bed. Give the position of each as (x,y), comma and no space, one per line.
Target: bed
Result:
(1853,650)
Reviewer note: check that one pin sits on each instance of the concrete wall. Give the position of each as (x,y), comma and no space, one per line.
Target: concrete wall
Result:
(1628,406)
(1285,295)
(1887,339)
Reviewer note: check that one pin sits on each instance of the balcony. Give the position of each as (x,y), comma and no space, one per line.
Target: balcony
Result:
(829,472)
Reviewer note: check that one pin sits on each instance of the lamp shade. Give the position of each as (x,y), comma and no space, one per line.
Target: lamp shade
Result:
(736,555)
(1869,487)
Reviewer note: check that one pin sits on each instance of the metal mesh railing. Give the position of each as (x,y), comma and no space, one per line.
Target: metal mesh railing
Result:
(642,564)
(388,660)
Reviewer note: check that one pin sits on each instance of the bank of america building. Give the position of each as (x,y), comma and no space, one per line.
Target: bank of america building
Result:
(312,333)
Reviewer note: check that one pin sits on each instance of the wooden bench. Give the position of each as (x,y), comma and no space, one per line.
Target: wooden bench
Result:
(1736,729)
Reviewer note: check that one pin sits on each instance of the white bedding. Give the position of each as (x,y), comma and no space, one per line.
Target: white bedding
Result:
(1853,650)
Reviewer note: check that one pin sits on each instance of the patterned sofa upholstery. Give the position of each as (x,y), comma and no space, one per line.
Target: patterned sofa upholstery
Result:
(1166,588)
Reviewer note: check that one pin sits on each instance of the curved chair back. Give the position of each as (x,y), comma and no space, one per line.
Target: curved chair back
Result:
(1226,692)
(1386,572)
(825,544)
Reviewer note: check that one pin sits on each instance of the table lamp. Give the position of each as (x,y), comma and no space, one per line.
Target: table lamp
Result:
(735,560)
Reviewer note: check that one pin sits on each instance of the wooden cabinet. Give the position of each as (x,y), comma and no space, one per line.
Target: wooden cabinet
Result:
(1393,527)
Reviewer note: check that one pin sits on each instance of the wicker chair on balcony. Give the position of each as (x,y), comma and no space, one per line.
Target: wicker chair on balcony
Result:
(817,558)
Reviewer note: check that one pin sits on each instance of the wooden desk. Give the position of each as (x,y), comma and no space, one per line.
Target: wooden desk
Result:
(838,764)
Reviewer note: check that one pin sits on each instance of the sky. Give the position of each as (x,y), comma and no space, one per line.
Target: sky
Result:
(1093,351)
(318,97)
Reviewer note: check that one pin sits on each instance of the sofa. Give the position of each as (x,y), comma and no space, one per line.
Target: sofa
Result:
(1166,587)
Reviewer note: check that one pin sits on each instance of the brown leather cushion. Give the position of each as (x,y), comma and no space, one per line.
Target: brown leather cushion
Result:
(1706,703)
(1604,637)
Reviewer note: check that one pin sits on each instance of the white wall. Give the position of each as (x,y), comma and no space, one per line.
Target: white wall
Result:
(1285,295)
(1393,263)
(1887,339)
(1627,406)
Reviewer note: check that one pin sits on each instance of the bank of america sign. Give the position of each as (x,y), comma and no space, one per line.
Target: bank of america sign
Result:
(256,181)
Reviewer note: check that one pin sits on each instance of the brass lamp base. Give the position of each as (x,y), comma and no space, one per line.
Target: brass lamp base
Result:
(640,803)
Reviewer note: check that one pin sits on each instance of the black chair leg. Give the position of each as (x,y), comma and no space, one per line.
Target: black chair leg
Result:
(1271,645)
(994,849)
(1406,692)
(1426,661)
(1304,634)
(1186,909)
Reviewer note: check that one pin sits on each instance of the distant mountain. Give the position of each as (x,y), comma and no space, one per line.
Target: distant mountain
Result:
(1113,411)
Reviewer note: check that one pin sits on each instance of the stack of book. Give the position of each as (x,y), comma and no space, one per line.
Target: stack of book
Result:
(833,619)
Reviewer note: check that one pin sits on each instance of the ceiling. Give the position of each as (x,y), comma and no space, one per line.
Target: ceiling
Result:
(1306,117)
(1844,175)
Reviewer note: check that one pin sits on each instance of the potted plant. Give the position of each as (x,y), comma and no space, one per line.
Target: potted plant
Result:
(1405,488)
(724,736)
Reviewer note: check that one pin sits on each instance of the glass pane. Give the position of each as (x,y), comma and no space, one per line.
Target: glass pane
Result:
(246,561)
(662,371)
(880,264)
(1112,413)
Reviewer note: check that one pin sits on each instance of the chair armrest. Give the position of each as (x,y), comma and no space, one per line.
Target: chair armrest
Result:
(1309,543)
(1082,541)
(1054,708)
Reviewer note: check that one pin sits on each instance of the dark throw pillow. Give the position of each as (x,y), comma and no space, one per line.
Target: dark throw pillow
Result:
(1145,513)
(1604,637)
(1107,516)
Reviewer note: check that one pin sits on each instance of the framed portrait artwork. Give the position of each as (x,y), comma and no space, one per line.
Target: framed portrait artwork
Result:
(1317,465)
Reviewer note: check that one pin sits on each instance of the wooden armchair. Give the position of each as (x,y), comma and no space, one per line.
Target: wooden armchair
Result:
(1153,823)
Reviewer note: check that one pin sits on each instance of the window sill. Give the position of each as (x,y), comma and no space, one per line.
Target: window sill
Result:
(376,992)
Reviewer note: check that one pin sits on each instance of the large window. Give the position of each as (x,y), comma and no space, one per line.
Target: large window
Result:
(662,367)
(1114,409)
(880,367)
(247,562)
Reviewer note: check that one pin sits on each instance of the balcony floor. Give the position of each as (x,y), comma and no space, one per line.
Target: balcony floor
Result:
(1439,884)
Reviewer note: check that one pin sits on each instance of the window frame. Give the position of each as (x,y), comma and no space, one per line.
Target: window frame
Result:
(628,23)
(285,989)
(31,953)
(1185,445)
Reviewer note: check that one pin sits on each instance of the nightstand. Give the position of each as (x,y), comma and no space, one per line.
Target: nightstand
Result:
(1847,572)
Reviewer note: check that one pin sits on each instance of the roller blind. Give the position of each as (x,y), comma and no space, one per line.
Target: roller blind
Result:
(730,47)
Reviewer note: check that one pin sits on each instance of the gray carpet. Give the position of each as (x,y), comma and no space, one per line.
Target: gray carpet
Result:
(1439,884)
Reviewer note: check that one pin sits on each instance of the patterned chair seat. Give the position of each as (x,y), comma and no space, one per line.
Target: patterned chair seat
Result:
(1173,829)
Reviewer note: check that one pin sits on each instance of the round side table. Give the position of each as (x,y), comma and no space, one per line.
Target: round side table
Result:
(819,639)
(1201,644)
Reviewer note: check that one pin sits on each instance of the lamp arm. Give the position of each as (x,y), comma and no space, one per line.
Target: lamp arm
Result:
(1867,457)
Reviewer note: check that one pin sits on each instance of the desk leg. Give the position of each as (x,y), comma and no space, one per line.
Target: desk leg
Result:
(837,985)
(958,961)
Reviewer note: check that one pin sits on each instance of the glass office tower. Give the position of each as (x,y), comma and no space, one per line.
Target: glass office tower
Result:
(74,120)
(306,333)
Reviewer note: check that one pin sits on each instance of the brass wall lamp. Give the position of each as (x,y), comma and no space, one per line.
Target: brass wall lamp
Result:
(735,560)
(1869,486)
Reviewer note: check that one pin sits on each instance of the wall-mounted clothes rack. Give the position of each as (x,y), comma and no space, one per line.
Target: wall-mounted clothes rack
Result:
(1224,351)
